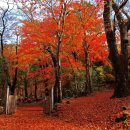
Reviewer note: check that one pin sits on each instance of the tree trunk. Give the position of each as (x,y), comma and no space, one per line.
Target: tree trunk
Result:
(56,63)
(12,88)
(58,69)
(26,87)
(55,91)
(35,94)
(118,60)
(3,94)
(88,86)
(12,104)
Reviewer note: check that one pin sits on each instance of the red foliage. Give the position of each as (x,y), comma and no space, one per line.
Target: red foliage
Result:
(37,36)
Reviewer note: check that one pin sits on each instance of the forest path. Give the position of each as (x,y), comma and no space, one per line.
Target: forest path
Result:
(95,112)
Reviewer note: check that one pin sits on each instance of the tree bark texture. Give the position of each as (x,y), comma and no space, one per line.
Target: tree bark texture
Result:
(119,60)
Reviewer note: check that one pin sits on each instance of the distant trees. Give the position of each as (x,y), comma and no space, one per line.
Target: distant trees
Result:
(92,38)
(67,41)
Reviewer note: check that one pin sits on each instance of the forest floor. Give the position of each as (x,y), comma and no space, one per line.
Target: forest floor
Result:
(95,112)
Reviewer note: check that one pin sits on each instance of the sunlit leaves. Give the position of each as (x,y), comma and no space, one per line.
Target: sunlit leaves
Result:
(38,35)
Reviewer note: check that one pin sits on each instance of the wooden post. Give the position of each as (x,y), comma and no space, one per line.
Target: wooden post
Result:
(12,104)
(49,101)
(11,101)
(7,100)
(52,99)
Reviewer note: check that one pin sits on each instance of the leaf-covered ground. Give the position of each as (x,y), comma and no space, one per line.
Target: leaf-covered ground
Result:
(95,112)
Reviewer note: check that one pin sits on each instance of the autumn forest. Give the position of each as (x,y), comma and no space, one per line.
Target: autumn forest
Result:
(64,64)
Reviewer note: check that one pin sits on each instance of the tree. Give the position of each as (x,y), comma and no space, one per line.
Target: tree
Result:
(60,22)
(8,32)
(119,59)
(87,35)
(57,17)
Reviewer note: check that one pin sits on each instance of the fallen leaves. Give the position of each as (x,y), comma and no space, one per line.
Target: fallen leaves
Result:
(95,112)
